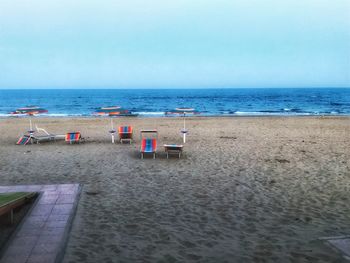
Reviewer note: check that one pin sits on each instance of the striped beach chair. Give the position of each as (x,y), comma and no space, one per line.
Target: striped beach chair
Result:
(24,140)
(73,137)
(149,145)
(125,134)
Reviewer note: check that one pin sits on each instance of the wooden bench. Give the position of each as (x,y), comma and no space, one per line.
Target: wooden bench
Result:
(10,201)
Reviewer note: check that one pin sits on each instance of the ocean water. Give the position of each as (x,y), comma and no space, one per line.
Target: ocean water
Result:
(155,102)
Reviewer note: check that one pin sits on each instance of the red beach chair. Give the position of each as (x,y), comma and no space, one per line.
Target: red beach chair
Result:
(125,134)
(23,140)
(73,137)
(149,145)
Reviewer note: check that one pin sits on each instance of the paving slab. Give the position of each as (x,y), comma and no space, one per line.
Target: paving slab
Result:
(340,243)
(43,233)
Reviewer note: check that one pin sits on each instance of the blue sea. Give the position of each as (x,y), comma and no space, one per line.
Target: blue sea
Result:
(155,102)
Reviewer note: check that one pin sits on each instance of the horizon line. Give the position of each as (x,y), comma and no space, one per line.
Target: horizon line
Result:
(171,88)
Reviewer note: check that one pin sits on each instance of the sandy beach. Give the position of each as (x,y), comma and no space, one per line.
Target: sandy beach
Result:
(248,189)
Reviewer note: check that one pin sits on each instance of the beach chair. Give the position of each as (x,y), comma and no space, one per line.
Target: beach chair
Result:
(125,134)
(148,145)
(42,138)
(45,136)
(24,140)
(173,149)
(73,137)
(148,142)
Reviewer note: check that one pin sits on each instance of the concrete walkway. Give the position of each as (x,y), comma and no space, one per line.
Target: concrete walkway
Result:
(42,235)
(340,243)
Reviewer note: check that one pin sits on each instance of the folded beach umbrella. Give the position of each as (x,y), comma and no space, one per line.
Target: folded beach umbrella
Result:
(30,111)
(111,111)
(183,112)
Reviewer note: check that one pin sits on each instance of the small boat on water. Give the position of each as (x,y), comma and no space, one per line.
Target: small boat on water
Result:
(114,111)
(29,110)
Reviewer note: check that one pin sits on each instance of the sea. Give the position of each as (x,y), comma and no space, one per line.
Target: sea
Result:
(209,102)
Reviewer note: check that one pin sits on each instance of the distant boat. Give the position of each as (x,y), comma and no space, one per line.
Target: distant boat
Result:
(114,111)
(29,110)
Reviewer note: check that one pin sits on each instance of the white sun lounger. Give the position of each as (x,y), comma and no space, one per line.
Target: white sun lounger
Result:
(46,136)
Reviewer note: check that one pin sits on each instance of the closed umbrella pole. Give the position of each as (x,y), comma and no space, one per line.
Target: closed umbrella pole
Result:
(184,131)
(111,124)
(112,131)
(30,123)
(106,111)
(183,112)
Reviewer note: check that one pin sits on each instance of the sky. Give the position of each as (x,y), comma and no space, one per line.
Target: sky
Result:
(169,44)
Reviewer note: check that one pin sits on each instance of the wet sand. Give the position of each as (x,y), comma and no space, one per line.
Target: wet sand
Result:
(258,189)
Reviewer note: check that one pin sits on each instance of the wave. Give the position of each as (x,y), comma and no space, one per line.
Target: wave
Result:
(44,115)
(282,112)
(150,113)
(273,113)
(64,115)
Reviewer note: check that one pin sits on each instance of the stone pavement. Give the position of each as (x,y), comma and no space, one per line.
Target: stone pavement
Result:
(42,235)
(341,243)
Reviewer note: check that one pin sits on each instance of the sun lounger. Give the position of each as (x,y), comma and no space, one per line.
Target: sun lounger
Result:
(149,145)
(73,137)
(125,134)
(43,138)
(25,139)
(173,149)
(46,136)
(37,136)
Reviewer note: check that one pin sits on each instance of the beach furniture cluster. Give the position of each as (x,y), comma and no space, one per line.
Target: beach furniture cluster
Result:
(148,138)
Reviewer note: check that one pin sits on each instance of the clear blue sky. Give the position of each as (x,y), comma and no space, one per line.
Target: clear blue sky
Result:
(177,43)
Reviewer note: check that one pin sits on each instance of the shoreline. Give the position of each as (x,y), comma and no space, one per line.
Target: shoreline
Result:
(345,116)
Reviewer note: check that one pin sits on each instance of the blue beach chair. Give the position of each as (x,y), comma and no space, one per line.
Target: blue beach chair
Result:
(73,137)
(149,146)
